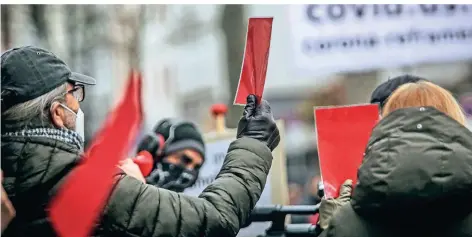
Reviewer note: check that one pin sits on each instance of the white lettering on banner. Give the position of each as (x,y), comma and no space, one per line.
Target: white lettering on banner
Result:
(336,38)
(214,158)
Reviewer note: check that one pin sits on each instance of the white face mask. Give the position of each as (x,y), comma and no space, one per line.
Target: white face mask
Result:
(79,121)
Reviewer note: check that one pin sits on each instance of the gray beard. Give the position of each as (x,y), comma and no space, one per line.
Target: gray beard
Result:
(69,121)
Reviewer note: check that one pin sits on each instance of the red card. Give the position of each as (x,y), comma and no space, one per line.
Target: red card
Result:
(79,202)
(343,133)
(256,58)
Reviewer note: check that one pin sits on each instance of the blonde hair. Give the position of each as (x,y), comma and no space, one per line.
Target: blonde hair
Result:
(424,93)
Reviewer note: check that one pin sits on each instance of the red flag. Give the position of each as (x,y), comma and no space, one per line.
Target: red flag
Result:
(80,200)
(256,58)
(343,133)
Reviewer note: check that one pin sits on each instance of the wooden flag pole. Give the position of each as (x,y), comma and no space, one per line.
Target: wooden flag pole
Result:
(219,113)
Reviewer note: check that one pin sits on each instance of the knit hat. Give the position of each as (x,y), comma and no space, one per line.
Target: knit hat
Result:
(384,90)
(180,135)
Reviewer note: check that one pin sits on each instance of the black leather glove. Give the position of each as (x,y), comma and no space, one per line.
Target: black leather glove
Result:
(258,123)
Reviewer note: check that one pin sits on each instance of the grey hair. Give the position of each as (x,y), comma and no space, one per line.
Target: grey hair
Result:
(36,108)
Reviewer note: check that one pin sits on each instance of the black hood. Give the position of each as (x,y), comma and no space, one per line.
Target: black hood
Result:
(417,169)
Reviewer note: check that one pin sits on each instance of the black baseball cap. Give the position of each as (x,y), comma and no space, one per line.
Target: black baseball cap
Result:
(384,90)
(29,72)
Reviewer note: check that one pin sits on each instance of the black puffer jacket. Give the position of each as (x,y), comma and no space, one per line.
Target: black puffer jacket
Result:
(34,168)
(415,180)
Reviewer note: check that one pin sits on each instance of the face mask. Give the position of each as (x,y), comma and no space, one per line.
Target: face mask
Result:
(79,121)
(172,177)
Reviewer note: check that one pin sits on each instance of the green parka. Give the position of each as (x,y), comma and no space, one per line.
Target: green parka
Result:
(34,168)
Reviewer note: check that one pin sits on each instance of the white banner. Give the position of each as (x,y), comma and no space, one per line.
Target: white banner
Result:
(343,38)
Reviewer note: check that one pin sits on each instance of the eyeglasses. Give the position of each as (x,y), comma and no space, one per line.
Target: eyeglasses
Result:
(78,92)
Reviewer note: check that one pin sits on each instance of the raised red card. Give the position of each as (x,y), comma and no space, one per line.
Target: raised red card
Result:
(256,58)
(343,133)
(78,204)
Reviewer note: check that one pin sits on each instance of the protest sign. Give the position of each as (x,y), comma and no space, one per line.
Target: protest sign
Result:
(276,189)
(343,133)
(255,60)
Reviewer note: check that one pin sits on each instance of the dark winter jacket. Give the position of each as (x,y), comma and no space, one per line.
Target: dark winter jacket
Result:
(34,168)
(415,180)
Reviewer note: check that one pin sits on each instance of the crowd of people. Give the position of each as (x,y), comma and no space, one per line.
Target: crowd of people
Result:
(415,178)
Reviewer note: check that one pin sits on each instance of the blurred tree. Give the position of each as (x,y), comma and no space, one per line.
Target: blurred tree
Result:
(106,31)
(5,24)
(39,21)
(72,36)
(129,22)
(234,28)
(87,37)
(89,40)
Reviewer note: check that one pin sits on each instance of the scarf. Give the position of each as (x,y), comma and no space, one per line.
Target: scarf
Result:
(60,134)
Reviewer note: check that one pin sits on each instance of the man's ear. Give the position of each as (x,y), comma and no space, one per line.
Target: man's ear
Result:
(57,113)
